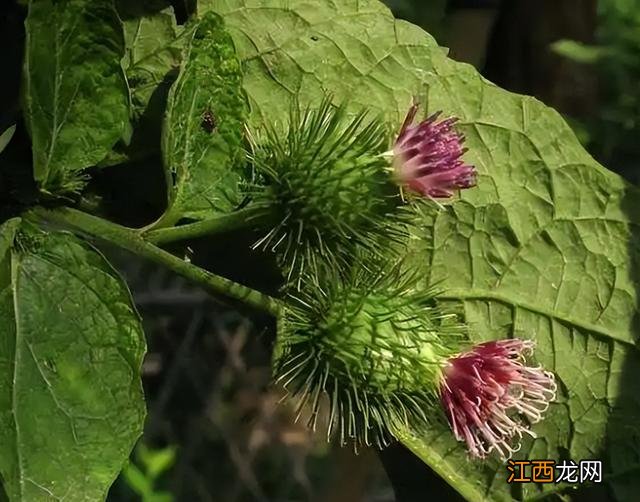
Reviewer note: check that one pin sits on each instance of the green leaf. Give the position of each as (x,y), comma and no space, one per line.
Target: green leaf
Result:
(579,52)
(137,480)
(157,462)
(150,32)
(8,231)
(203,129)
(546,247)
(76,101)
(475,481)
(352,49)
(71,347)
(152,57)
(6,136)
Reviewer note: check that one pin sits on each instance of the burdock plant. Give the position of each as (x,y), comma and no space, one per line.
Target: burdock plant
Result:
(362,336)
(132,131)
(382,354)
(329,182)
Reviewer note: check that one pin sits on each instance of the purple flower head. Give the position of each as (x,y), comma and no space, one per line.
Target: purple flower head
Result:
(488,390)
(428,157)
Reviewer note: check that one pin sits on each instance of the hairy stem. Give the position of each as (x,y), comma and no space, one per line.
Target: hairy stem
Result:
(132,241)
(223,223)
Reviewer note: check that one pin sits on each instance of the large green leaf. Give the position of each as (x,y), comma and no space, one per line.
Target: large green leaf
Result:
(203,128)
(546,247)
(303,51)
(71,347)
(352,49)
(76,101)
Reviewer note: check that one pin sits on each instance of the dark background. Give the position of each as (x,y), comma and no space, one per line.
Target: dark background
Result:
(215,431)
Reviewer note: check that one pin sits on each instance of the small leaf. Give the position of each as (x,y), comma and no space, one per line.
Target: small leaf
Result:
(579,52)
(156,462)
(137,480)
(203,126)
(6,136)
(71,347)
(76,101)
(8,231)
(153,52)
(150,32)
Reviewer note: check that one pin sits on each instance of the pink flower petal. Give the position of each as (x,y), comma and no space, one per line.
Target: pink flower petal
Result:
(488,390)
(427,157)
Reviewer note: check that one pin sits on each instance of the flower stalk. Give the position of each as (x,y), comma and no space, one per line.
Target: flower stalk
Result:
(132,241)
(240,219)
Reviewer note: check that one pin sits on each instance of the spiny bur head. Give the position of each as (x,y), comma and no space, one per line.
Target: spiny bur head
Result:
(327,183)
(372,348)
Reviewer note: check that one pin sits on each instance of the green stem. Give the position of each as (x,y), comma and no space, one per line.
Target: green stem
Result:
(131,240)
(223,223)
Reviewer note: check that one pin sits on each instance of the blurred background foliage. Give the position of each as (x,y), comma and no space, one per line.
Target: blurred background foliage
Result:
(610,131)
(215,431)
